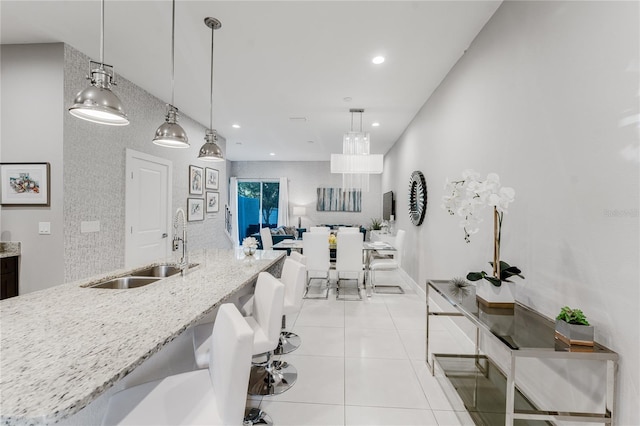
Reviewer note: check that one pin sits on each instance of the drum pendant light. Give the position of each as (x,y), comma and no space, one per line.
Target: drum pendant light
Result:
(170,134)
(210,151)
(97,103)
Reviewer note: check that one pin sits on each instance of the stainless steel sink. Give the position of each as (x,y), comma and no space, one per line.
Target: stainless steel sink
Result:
(126,282)
(161,271)
(141,277)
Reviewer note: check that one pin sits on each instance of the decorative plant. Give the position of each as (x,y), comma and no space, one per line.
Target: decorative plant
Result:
(469,195)
(572,316)
(458,287)
(250,242)
(376,224)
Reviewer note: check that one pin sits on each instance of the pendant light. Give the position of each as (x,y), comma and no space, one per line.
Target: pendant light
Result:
(356,162)
(210,151)
(97,103)
(170,134)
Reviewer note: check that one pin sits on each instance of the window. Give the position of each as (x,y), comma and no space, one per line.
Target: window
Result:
(257,206)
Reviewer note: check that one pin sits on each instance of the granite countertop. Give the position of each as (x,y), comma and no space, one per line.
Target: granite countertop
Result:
(63,346)
(9,249)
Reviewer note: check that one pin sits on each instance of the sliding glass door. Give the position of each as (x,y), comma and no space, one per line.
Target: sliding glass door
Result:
(257,206)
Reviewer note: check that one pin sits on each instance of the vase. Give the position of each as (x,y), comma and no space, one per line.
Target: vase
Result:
(574,334)
(249,251)
(495,297)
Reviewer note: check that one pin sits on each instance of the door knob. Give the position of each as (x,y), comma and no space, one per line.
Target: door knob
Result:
(164,235)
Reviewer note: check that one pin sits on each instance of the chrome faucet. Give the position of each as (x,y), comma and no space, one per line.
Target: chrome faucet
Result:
(184,260)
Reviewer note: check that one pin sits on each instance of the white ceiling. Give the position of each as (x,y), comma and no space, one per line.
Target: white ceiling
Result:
(273,60)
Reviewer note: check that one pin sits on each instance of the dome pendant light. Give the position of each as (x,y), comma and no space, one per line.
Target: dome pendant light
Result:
(170,134)
(210,151)
(97,103)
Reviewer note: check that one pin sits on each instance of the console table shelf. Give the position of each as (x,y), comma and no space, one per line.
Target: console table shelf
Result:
(490,393)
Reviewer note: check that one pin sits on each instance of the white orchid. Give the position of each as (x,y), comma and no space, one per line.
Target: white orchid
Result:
(468,196)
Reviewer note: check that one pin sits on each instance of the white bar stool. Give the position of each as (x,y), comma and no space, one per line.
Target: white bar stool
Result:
(216,396)
(293,278)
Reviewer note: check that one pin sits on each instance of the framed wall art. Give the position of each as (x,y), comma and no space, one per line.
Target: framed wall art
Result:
(213,202)
(211,178)
(195,209)
(25,184)
(339,200)
(195,180)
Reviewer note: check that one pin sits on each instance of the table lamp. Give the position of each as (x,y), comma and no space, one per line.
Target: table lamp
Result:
(299,211)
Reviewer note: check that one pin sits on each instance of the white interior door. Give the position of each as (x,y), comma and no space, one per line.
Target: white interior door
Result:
(148,216)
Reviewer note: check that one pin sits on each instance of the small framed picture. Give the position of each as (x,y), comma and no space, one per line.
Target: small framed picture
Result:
(213,202)
(211,178)
(195,180)
(25,184)
(195,209)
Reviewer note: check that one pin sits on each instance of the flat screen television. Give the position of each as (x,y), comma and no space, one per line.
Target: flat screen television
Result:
(388,206)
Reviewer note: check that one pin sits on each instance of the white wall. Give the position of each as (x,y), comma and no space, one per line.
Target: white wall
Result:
(547,97)
(304,178)
(31,132)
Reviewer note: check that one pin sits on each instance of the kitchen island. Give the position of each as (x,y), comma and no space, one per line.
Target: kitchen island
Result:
(63,347)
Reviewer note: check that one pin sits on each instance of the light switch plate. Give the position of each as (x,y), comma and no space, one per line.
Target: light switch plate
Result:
(44,228)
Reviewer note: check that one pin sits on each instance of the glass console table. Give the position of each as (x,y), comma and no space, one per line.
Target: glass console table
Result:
(491,394)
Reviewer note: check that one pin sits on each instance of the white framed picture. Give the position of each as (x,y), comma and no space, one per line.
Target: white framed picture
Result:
(211,178)
(213,202)
(195,180)
(195,209)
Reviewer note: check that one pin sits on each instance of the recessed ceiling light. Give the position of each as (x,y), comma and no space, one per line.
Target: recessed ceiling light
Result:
(376,124)
(347,99)
(235,126)
(272,154)
(298,119)
(309,141)
(378,60)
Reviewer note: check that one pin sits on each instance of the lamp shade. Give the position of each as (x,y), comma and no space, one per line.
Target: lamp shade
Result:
(170,134)
(100,105)
(299,211)
(210,151)
(357,163)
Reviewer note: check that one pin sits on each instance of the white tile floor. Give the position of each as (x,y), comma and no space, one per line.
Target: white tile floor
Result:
(362,363)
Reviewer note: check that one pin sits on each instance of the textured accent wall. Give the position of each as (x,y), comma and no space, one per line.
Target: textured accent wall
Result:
(94,174)
(304,178)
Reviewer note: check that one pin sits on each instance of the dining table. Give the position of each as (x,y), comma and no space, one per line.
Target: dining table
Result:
(369,248)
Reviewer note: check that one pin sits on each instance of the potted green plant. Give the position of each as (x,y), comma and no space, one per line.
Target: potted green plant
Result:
(376,224)
(573,328)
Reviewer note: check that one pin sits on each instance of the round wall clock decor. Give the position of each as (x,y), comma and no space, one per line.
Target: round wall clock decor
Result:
(417,198)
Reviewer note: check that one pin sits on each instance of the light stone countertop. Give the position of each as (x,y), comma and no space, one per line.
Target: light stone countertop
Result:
(9,249)
(63,346)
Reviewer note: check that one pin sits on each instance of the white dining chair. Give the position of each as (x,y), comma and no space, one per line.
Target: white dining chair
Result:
(389,261)
(267,240)
(350,229)
(349,263)
(315,247)
(216,396)
(322,229)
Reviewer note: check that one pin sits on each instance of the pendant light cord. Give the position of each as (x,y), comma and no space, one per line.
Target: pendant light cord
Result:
(211,98)
(173,37)
(102,36)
